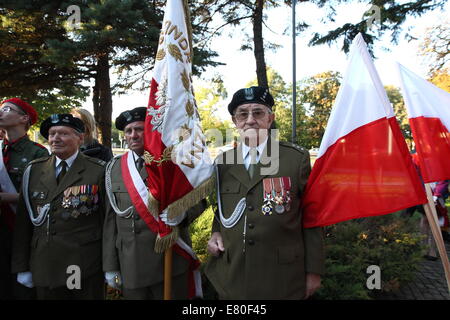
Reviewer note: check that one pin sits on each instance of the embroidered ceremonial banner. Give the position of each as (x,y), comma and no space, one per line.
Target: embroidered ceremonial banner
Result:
(177,160)
(139,194)
(363,166)
(429,116)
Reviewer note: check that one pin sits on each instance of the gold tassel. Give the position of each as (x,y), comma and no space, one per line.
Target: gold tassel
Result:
(153,205)
(162,244)
(191,199)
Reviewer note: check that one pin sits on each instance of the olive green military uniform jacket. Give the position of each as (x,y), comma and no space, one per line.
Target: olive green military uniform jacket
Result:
(20,154)
(271,260)
(69,236)
(128,243)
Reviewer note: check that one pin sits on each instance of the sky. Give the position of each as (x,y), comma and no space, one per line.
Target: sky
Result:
(240,66)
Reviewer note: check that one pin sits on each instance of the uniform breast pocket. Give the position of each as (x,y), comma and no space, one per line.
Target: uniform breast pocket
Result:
(121,194)
(229,188)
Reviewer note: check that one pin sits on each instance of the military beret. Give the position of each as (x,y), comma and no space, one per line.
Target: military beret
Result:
(63,119)
(129,116)
(25,107)
(253,94)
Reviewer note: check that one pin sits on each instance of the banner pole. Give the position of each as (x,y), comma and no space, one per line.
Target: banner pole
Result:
(431,214)
(168,274)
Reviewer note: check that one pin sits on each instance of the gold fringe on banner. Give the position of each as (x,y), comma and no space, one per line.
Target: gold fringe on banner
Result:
(162,244)
(192,198)
(153,205)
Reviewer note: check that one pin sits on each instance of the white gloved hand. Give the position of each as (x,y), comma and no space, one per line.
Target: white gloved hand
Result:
(172,222)
(25,279)
(435,198)
(114,279)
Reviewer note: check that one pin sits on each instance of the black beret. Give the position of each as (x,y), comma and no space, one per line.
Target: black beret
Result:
(129,116)
(254,94)
(62,119)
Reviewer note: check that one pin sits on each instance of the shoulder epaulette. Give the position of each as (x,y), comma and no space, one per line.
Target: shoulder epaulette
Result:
(39,145)
(294,146)
(96,161)
(38,160)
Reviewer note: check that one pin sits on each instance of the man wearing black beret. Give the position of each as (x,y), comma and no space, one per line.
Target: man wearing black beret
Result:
(258,248)
(57,243)
(129,260)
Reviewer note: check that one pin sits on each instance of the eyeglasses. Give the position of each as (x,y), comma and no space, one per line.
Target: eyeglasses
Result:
(257,114)
(9,109)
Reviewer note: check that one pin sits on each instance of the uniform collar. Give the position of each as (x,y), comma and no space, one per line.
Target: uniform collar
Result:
(15,143)
(260,148)
(69,160)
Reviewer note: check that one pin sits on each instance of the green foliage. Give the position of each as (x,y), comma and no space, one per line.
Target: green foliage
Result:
(207,99)
(391,242)
(200,231)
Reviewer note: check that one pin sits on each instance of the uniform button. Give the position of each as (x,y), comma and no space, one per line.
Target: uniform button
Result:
(251,242)
(251,225)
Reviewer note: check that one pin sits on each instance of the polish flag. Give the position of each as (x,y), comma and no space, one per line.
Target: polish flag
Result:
(363,167)
(429,116)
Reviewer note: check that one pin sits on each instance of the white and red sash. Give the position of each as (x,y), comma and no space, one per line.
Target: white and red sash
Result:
(139,193)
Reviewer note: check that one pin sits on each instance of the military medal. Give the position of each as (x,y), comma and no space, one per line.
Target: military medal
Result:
(65,215)
(75,198)
(286,186)
(83,196)
(83,209)
(267,207)
(75,214)
(66,200)
(279,208)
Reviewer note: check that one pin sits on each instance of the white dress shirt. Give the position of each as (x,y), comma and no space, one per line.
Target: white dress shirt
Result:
(246,153)
(69,162)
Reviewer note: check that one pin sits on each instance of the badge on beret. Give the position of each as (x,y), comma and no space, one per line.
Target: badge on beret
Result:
(54,118)
(127,116)
(248,92)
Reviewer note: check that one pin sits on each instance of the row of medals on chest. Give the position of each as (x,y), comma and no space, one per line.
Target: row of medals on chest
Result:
(277,195)
(80,200)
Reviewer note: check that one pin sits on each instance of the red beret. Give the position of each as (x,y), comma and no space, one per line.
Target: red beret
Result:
(27,108)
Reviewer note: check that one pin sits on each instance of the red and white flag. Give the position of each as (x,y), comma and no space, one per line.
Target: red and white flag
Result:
(429,116)
(177,160)
(363,167)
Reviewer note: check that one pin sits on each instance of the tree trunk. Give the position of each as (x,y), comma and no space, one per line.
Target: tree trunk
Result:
(95,102)
(258,42)
(103,110)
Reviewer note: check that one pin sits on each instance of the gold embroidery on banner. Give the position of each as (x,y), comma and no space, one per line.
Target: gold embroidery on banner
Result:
(175,52)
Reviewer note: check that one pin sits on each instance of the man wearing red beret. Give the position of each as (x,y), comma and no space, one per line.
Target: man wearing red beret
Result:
(16,117)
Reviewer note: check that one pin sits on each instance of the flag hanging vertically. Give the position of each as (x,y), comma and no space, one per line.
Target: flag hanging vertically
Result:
(177,161)
(429,116)
(363,167)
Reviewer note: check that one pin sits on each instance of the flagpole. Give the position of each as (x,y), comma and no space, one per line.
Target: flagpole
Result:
(294,80)
(168,274)
(431,214)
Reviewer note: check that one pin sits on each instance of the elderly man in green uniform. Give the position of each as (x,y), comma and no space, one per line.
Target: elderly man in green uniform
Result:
(258,247)
(129,260)
(16,117)
(57,243)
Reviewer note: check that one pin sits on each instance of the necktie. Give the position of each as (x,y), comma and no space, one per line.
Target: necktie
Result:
(251,168)
(63,171)
(139,164)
